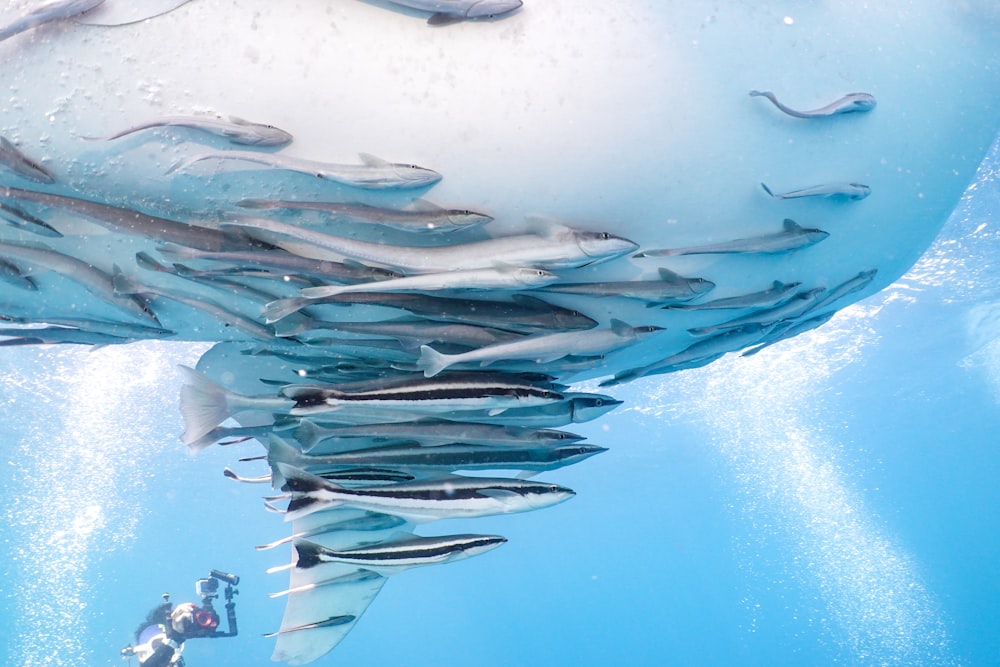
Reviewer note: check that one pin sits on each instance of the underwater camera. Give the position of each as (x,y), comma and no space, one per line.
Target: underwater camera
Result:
(206,619)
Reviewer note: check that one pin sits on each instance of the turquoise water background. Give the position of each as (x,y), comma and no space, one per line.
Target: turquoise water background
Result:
(829,501)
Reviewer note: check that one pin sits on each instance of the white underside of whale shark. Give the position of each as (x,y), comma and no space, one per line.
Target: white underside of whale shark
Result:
(632,118)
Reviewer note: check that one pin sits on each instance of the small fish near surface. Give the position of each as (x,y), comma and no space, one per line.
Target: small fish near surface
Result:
(851,191)
(234,130)
(446,12)
(372,174)
(792,237)
(850,103)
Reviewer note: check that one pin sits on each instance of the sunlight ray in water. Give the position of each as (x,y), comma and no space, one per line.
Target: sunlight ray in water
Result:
(84,464)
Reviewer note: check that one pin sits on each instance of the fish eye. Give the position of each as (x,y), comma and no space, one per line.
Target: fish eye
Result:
(599,402)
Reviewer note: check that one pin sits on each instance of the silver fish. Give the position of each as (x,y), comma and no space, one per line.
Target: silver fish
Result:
(398,554)
(504,277)
(96,281)
(540,348)
(452,496)
(671,288)
(850,286)
(21,164)
(118,329)
(372,174)
(24,220)
(330,622)
(575,408)
(364,521)
(431,432)
(12,274)
(852,191)
(134,223)
(60,10)
(778,293)
(792,237)
(553,247)
(789,330)
(422,217)
(233,129)
(850,103)
(445,12)
(800,303)
(411,332)
(355,577)
(58,336)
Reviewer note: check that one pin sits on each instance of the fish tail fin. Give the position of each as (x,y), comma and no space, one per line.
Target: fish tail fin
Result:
(308,434)
(432,362)
(203,442)
(204,405)
(280,450)
(288,328)
(276,310)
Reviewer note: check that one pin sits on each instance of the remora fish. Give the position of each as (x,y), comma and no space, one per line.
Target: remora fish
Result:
(58,336)
(853,191)
(445,12)
(372,174)
(670,288)
(365,521)
(790,330)
(24,220)
(455,456)
(20,163)
(133,223)
(552,247)
(421,217)
(455,391)
(330,622)
(411,332)
(433,432)
(778,293)
(575,408)
(398,554)
(504,277)
(521,313)
(850,103)
(235,130)
(13,275)
(96,281)
(792,237)
(801,303)
(540,348)
(53,11)
(850,286)
(440,498)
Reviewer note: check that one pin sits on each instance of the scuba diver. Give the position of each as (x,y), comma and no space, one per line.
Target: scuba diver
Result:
(159,640)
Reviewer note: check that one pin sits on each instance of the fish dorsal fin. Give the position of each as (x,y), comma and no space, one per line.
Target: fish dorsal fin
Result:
(372,160)
(545,226)
(526,474)
(668,276)
(424,206)
(620,328)
(792,226)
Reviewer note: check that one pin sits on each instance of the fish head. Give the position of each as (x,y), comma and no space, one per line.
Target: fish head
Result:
(553,435)
(647,329)
(266,135)
(574,453)
(592,406)
(539,495)
(415,176)
(487,9)
(534,277)
(468,218)
(573,320)
(859,190)
(603,245)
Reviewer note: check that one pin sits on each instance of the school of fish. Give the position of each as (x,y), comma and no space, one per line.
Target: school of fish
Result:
(370,351)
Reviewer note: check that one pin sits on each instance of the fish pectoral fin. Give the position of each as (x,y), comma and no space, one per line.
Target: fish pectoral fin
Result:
(792,226)
(496,411)
(502,495)
(443,18)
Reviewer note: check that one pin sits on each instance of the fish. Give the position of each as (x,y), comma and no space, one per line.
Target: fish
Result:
(551,246)
(850,103)
(21,164)
(372,174)
(671,288)
(800,303)
(13,275)
(846,288)
(398,554)
(788,330)
(700,353)
(451,496)
(852,191)
(363,521)
(777,293)
(513,312)
(499,278)
(792,237)
(446,12)
(130,222)
(410,332)
(453,456)
(433,432)
(574,408)
(58,336)
(233,129)
(420,217)
(60,10)
(97,282)
(494,392)
(124,12)
(355,577)
(24,220)
(329,622)
(540,348)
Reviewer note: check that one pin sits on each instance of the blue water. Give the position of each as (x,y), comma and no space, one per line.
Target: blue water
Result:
(830,501)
